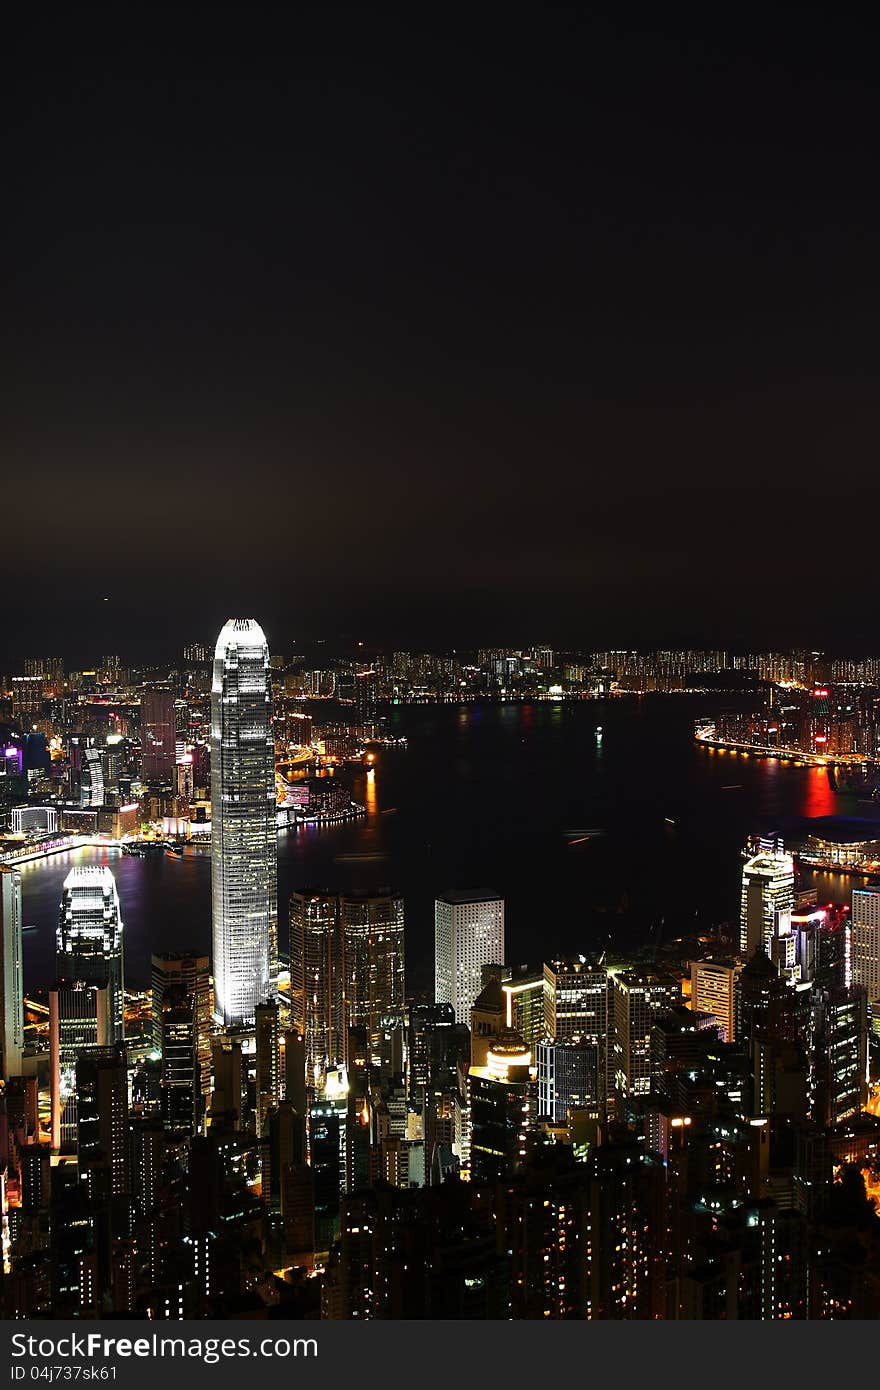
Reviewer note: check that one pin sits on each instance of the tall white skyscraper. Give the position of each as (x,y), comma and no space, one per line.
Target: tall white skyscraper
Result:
(11,974)
(89,941)
(767,899)
(244,869)
(468,934)
(865,944)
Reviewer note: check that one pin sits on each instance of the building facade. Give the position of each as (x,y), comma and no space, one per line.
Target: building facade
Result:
(12,982)
(89,942)
(243,822)
(468,934)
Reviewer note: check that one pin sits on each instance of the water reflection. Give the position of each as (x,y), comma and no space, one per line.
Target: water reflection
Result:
(484,795)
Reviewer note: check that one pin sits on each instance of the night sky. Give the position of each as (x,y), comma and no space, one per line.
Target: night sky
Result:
(436,328)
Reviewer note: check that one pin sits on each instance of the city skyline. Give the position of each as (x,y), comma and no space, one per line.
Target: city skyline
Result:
(486,928)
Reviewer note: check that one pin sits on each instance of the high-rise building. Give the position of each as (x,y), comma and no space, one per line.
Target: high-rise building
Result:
(268,1046)
(578,1005)
(526,1011)
(373,957)
(576,1001)
(315,1005)
(11,974)
(102,1113)
(468,934)
(567,1079)
(243,822)
(840,1054)
(181,1092)
(158,737)
(639,996)
(767,898)
(366,695)
(185,972)
(865,943)
(502,1103)
(713,991)
(90,937)
(79,1018)
(346,971)
(434,1043)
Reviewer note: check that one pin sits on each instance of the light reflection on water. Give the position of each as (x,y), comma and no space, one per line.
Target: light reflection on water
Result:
(485,796)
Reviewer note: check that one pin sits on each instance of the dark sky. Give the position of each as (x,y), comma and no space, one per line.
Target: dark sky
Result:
(436,326)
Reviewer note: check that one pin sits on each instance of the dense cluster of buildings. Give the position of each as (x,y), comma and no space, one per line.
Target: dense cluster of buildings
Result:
(824,721)
(679,1134)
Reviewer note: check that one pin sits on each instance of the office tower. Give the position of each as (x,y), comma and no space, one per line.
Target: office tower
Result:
(286,1128)
(840,1054)
(468,934)
(227,1097)
(502,1102)
(713,991)
(243,822)
(865,944)
(373,958)
(576,995)
(316,1006)
(79,1018)
(346,971)
(89,942)
(298,1212)
(268,1045)
(328,1115)
(102,1113)
(767,898)
(766,1007)
(526,1009)
(638,997)
(181,1090)
(428,1026)
(567,1079)
(579,1008)
(91,778)
(12,982)
(158,737)
(366,689)
(197,654)
(173,972)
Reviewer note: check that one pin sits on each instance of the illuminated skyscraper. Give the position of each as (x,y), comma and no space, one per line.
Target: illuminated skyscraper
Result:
(89,939)
(11,974)
(346,971)
(373,954)
(713,990)
(866,944)
(79,1019)
(158,736)
(243,823)
(639,997)
(185,973)
(767,899)
(502,1100)
(468,934)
